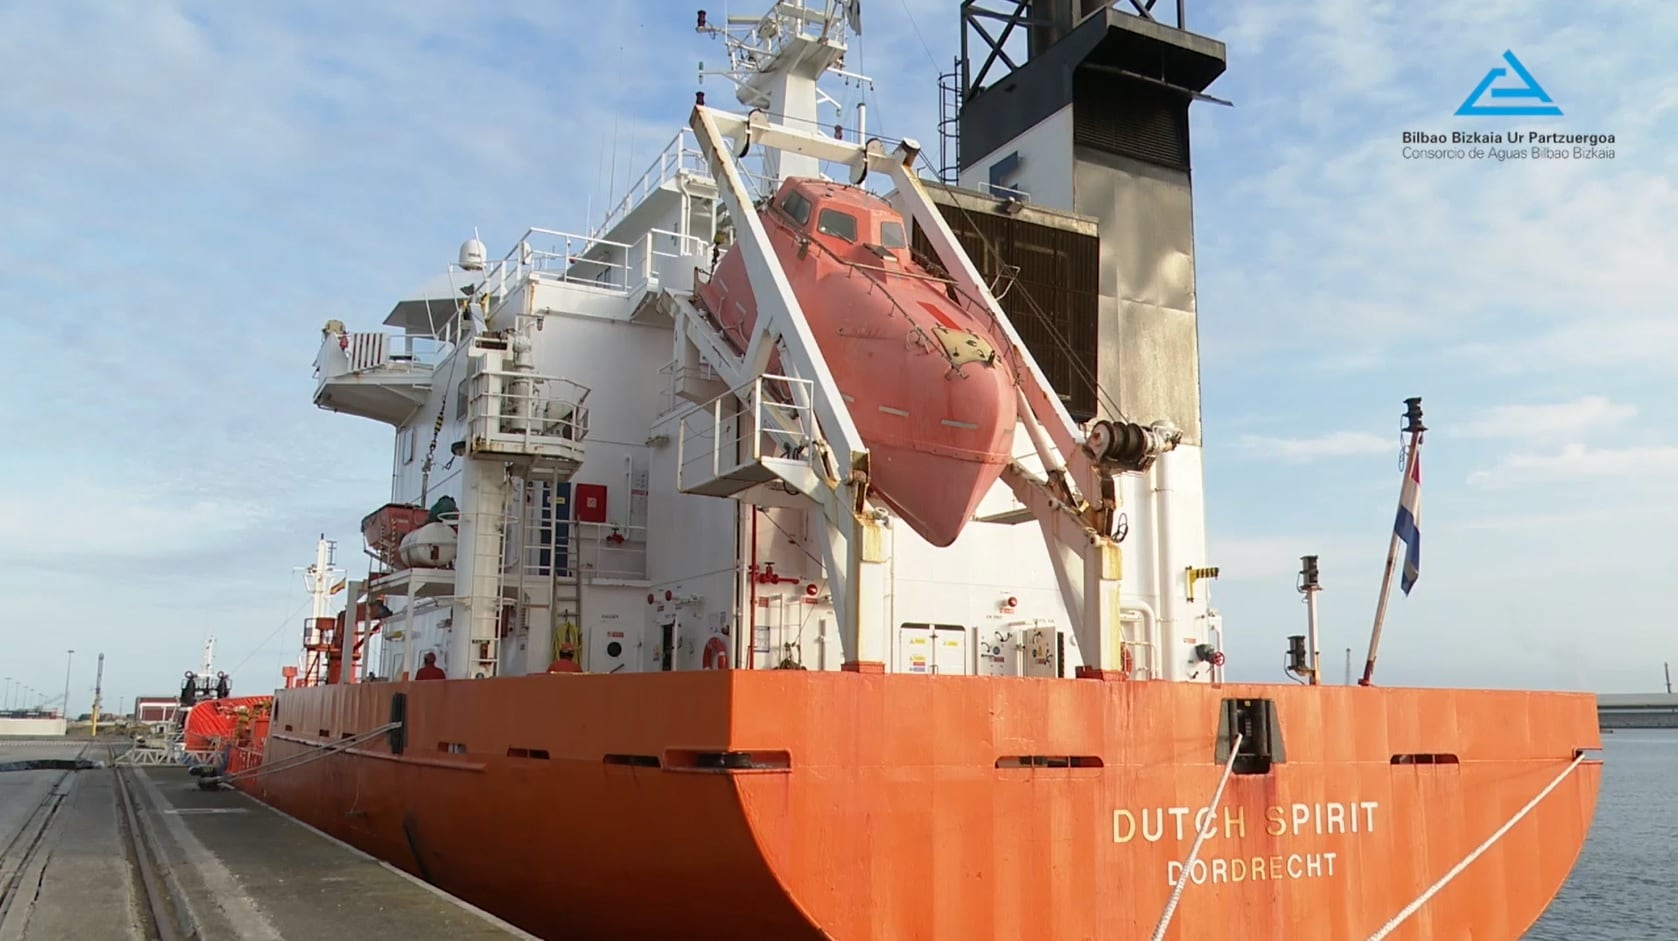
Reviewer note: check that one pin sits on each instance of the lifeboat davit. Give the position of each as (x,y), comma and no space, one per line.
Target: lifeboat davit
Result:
(922,370)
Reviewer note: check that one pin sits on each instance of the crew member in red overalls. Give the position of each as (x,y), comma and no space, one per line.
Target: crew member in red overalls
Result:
(431,671)
(567,662)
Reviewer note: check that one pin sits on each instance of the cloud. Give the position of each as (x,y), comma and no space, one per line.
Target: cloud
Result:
(1637,343)
(106,520)
(1540,421)
(1334,444)
(1594,516)
(1576,462)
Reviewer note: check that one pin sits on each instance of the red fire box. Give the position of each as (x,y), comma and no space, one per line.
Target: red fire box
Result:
(591,503)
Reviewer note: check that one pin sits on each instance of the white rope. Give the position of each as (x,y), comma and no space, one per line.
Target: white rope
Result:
(296,761)
(1471,857)
(1199,838)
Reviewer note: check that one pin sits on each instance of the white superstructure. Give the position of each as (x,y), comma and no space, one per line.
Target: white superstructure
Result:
(568,402)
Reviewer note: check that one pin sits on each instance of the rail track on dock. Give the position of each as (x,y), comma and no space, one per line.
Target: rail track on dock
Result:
(154,904)
(26,855)
(22,864)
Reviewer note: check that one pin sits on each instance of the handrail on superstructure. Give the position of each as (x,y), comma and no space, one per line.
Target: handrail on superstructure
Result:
(573,252)
(350,353)
(680,155)
(772,410)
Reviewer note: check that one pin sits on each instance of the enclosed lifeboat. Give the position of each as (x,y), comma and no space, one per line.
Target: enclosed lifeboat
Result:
(920,369)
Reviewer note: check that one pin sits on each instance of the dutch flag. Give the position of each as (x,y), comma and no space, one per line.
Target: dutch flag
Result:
(1408,525)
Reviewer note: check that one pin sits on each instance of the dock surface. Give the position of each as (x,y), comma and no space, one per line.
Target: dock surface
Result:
(144,853)
(1637,710)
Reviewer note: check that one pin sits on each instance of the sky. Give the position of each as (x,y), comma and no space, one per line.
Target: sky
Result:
(190,189)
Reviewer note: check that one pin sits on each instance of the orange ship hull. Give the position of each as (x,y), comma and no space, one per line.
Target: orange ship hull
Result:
(591,806)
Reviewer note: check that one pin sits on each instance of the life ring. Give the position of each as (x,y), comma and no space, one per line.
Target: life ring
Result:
(1127,662)
(716,654)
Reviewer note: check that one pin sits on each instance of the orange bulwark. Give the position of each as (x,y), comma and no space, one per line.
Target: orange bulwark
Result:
(794,804)
(236,727)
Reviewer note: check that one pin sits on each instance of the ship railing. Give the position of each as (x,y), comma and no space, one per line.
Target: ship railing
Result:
(752,434)
(681,155)
(345,354)
(526,413)
(612,552)
(1142,656)
(658,250)
(623,267)
(596,551)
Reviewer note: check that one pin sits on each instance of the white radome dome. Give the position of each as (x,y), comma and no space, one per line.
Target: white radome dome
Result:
(472,255)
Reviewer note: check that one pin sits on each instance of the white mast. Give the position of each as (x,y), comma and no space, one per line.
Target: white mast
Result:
(776,61)
(318,578)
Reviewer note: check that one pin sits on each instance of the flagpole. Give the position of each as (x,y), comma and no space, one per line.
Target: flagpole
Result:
(1413,427)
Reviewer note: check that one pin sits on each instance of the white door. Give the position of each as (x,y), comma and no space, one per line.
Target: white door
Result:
(951,658)
(933,648)
(914,649)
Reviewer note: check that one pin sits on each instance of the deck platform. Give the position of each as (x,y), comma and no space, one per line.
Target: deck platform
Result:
(88,854)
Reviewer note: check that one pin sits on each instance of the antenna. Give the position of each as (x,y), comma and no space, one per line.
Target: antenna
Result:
(1668,678)
(69,659)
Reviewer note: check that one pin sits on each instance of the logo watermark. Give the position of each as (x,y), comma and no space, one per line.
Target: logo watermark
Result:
(1494,97)
(1529,89)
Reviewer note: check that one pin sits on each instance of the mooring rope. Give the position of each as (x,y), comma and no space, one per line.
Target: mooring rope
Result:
(1199,838)
(296,761)
(1456,870)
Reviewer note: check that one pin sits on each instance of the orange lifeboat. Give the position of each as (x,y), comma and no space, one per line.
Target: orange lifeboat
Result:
(921,371)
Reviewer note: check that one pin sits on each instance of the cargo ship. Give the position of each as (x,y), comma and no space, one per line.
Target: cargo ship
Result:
(815,548)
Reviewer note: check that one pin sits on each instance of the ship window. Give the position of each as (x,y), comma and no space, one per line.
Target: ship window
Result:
(796,206)
(891,235)
(836,223)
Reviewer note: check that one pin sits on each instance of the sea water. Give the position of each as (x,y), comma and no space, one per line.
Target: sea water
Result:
(1625,885)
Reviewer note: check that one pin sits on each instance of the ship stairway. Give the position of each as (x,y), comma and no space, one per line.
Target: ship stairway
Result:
(708,363)
(755,443)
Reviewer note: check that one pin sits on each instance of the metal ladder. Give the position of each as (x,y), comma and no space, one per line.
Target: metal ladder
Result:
(542,587)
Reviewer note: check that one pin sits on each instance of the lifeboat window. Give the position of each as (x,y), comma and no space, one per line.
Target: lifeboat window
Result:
(891,235)
(836,223)
(796,206)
